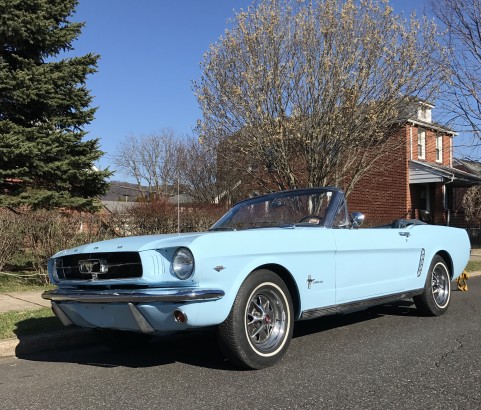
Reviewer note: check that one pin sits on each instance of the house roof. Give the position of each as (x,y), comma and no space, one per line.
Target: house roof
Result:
(432,126)
(467,165)
(409,114)
(117,206)
(427,172)
(121,190)
(180,198)
(129,193)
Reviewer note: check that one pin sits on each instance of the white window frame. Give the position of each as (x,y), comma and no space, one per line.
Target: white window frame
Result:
(421,143)
(439,148)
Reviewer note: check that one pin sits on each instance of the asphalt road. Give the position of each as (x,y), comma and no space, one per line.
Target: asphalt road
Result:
(387,357)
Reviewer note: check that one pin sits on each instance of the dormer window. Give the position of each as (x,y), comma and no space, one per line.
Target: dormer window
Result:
(424,113)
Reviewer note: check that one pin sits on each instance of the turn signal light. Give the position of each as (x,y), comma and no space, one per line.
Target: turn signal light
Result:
(179,316)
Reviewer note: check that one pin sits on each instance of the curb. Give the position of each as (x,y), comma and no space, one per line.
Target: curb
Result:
(74,337)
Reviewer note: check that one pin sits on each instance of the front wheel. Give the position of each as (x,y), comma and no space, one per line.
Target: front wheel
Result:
(258,330)
(434,301)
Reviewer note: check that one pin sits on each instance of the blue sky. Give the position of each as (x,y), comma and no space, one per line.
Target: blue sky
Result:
(150,53)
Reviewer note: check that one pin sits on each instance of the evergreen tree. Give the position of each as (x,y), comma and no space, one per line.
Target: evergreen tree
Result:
(44,105)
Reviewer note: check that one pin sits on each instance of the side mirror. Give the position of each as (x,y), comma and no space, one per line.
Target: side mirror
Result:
(357,219)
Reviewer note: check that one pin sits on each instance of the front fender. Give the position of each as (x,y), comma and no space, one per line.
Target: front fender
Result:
(231,278)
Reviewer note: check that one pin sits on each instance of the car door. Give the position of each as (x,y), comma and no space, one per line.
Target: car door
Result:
(375,262)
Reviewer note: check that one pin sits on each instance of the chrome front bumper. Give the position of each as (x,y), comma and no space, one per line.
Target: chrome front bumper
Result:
(132,296)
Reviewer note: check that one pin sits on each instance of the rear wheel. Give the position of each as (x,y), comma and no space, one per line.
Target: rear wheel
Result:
(434,301)
(258,330)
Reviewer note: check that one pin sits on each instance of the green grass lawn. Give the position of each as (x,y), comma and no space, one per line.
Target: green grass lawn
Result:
(10,283)
(473,266)
(28,322)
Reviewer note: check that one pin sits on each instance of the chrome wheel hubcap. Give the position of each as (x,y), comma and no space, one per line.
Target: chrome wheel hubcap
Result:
(265,320)
(440,285)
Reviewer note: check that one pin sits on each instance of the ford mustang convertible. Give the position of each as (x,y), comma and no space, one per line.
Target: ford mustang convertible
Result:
(269,261)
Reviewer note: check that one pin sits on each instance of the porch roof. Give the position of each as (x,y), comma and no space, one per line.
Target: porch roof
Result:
(427,172)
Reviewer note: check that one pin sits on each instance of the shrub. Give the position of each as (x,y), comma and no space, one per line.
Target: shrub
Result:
(472,205)
(10,239)
(27,240)
(160,217)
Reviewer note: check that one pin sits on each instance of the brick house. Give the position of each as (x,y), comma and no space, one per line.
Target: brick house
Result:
(417,178)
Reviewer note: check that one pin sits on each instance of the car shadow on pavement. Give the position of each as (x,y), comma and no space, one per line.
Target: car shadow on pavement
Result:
(197,348)
(398,308)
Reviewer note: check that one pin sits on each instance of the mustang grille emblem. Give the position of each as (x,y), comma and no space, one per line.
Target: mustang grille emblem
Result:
(93,267)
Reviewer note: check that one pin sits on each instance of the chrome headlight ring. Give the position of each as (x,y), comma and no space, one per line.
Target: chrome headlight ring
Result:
(55,266)
(182,266)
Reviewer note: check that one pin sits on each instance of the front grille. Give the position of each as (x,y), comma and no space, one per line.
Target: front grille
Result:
(99,266)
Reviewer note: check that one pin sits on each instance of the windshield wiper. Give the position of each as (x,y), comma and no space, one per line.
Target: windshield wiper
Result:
(222,228)
(284,225)
(243,228)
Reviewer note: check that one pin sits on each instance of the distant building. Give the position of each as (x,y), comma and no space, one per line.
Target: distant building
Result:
(121,191)
(419,178)
(123,195)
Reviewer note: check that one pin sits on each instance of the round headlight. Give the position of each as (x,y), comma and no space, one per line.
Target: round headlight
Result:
(55,266)
(183,263)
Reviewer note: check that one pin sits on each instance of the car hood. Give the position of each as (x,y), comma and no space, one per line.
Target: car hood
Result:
(134,244)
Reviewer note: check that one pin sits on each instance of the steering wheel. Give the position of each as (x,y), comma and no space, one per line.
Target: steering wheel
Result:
(312,219)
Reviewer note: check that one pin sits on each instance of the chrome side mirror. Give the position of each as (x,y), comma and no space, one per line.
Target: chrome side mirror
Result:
(357,219)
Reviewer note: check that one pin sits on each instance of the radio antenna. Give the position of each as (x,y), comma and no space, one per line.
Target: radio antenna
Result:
(178,204)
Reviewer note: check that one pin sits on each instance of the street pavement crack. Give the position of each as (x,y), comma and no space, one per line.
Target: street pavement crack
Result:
(452,351)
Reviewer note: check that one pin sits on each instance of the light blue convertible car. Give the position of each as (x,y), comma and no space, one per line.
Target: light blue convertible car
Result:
(269,261)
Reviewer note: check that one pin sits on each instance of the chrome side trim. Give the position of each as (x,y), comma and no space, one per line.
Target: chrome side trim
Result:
(61,315)
(357,305)
(133,296)
(140,319)
(421,262)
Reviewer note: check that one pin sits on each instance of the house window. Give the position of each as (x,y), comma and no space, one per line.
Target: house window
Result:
(439,149)
(421,143)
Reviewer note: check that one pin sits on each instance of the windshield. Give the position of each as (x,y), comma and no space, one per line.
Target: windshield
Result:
(302,207)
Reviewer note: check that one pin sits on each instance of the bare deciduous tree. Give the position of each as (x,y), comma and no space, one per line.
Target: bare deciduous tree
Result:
(309,91)
(198,171)
(462,20)
(472,205)
(150,160)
